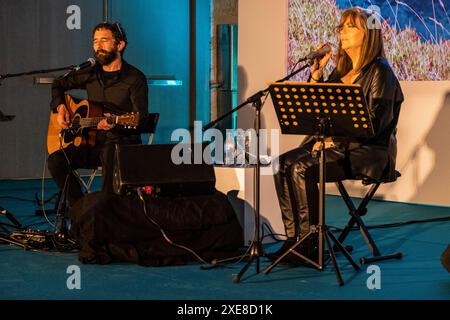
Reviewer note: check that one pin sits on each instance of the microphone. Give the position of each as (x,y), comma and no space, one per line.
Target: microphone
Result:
(89,63)
(319,53)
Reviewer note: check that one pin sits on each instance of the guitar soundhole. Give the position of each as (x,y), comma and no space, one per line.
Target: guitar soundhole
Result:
(73,134)
(81,112)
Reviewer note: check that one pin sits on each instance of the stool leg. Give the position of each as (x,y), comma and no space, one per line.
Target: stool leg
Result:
(366,235)
(397,255)
(351,207)
(356,214)
(343,235)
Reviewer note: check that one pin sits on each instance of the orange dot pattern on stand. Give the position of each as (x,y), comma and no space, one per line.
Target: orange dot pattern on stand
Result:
(299,102)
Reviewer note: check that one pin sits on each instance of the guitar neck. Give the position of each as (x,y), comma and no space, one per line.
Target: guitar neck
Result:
(90,122)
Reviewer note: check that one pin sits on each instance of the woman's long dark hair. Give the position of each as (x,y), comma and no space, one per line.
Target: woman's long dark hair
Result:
(372,45)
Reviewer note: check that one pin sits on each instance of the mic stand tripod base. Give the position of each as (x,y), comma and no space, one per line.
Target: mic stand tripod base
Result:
(293,251)
(255,251)
(61,232)
(326,234)
(4,228)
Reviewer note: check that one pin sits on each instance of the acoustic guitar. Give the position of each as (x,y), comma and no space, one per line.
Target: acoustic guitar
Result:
(85,116)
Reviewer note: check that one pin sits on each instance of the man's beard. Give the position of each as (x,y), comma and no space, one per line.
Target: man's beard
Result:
(104,57)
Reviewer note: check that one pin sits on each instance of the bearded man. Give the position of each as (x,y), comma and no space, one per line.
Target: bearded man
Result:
(114,85)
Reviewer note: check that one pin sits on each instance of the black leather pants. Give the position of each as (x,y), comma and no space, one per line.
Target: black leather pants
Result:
(296,185)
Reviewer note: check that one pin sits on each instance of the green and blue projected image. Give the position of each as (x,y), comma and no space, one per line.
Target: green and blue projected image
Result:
(416,33)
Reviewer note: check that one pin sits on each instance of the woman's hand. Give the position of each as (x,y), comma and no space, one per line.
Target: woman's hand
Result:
(319,64)
(328,144)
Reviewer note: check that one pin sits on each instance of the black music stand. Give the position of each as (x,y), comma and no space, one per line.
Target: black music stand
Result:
(322,110)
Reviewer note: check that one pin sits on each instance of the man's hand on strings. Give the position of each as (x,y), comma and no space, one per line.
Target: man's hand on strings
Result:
(63,117)
(104,125)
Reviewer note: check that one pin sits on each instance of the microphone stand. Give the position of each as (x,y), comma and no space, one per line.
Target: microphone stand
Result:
(252,98)
(59,225)
(255,250)
(4,117)
(28,73)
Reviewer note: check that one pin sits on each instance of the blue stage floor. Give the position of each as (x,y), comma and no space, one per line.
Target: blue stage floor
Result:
(419,275)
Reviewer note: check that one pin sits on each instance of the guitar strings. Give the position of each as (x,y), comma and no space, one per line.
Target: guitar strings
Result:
(89,122)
